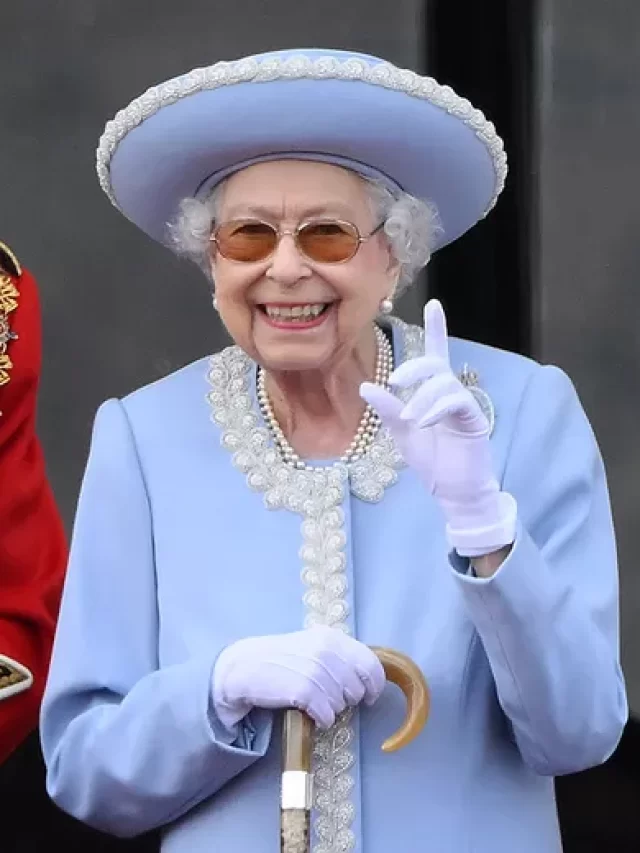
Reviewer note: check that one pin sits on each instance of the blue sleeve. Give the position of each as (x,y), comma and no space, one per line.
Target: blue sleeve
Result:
(548,618)
(128,746)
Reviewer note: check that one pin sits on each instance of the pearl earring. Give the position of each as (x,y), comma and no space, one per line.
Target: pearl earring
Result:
(214,302)
(386,306)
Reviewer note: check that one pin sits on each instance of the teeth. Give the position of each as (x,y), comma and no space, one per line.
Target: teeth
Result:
(297,312)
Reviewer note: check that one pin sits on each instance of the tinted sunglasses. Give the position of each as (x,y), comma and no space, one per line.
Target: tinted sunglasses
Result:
(325,241)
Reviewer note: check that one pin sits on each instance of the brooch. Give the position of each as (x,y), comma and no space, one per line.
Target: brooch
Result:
(469,378)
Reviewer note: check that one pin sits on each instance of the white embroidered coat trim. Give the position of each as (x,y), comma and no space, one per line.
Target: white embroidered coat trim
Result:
(317,496)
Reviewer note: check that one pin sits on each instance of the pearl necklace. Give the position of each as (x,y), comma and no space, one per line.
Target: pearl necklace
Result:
(369,423)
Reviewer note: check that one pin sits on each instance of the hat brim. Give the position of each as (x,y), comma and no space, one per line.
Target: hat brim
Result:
(351,110)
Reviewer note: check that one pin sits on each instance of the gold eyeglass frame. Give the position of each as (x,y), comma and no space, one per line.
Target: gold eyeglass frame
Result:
(288,232)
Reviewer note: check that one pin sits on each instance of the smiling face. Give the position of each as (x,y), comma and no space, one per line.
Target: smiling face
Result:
(289,312)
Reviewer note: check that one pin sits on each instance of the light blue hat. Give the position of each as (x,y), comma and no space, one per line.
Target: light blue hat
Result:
(182,137)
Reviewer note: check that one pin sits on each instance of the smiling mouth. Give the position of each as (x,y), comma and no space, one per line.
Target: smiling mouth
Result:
(302,313)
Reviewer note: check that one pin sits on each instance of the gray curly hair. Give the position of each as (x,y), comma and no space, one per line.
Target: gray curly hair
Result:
(410,224)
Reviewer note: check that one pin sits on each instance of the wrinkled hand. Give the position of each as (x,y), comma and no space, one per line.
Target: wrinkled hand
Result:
(320,671)
(443,435)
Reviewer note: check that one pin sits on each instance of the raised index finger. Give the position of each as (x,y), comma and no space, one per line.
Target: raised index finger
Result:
(435,331)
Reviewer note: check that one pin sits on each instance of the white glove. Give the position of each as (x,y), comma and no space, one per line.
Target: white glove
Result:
(320,671)
(443,435)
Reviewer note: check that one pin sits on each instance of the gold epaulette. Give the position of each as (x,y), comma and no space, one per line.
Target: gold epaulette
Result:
(10,271)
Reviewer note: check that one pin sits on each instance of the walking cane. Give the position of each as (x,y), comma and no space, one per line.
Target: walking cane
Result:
(297,745)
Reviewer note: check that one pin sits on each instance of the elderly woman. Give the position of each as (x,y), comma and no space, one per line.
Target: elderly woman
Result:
(249,526)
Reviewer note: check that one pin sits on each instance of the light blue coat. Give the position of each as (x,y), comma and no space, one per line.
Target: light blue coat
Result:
(190,534)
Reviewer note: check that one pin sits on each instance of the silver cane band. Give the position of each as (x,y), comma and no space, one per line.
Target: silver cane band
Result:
(296,790)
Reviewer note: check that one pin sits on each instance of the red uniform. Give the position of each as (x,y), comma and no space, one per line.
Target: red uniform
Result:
(33,547)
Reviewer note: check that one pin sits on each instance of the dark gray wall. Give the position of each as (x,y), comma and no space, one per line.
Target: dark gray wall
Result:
(589,258)
(118,310)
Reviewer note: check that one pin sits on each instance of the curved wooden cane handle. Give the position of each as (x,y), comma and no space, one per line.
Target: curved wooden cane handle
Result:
(401,670)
